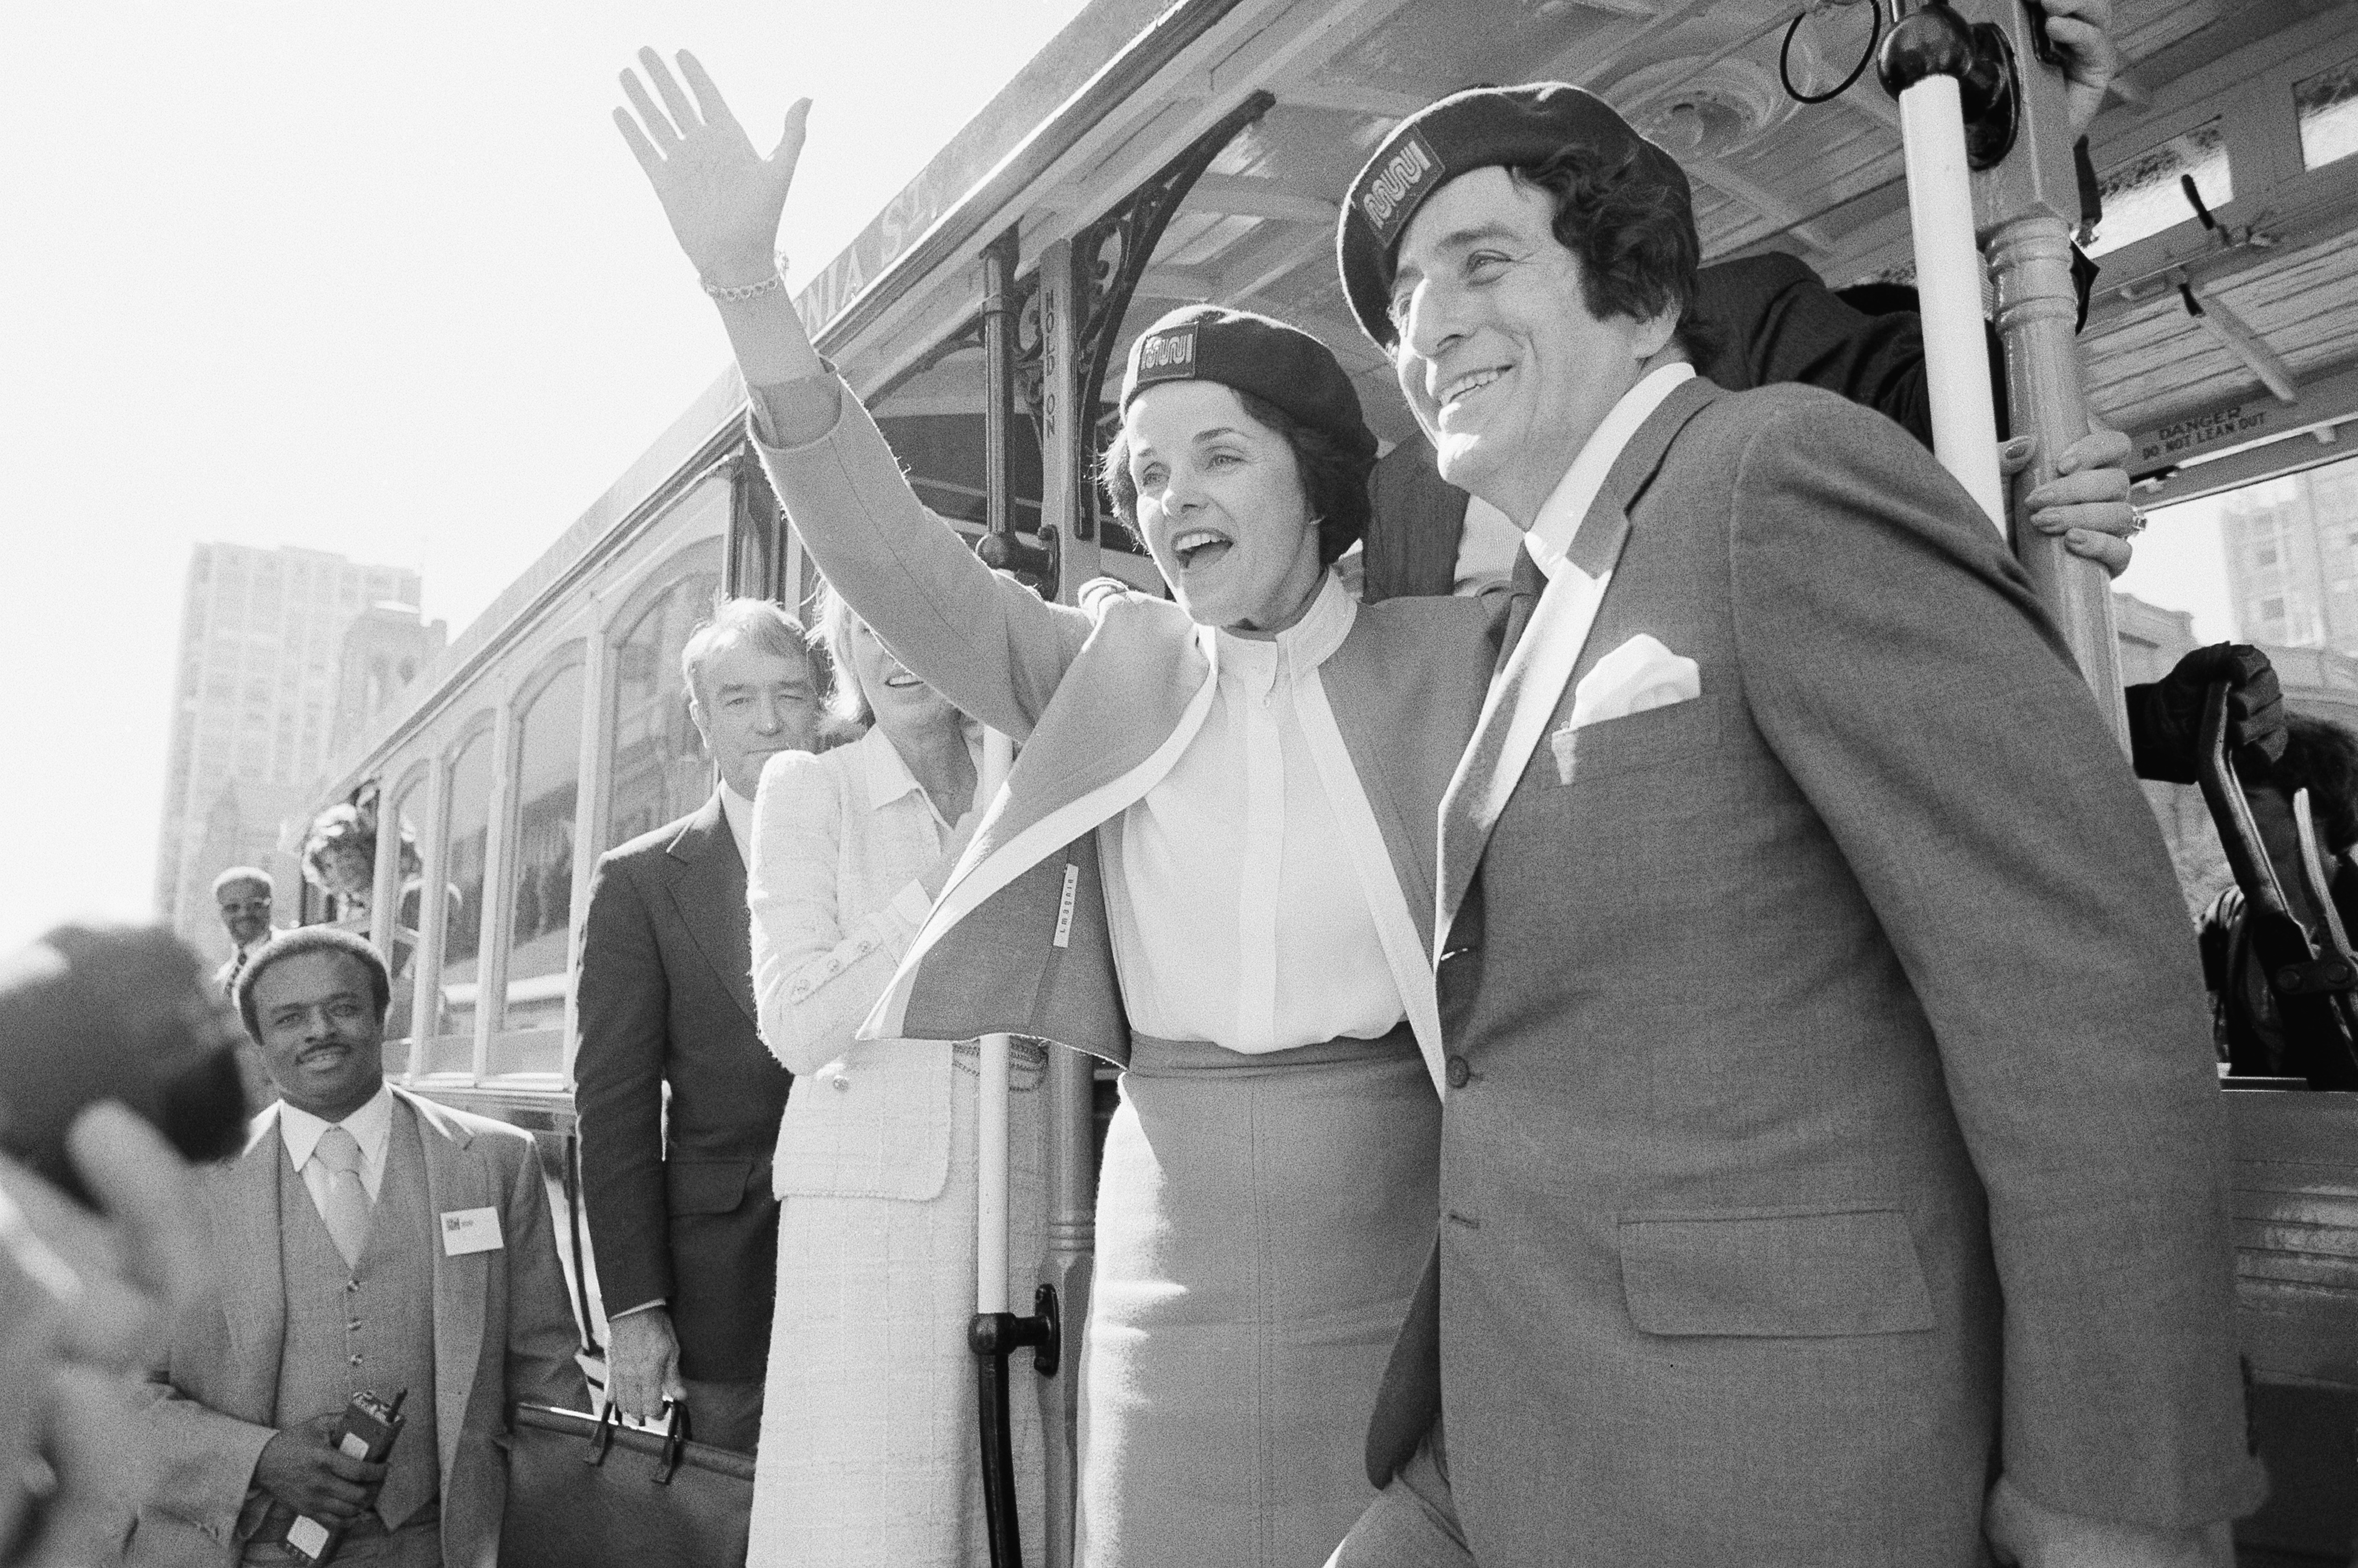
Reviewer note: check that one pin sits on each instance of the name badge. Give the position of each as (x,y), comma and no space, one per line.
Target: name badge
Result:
(466,1230)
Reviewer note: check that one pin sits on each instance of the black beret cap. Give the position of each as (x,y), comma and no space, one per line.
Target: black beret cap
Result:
(1516,126)
(1279,365)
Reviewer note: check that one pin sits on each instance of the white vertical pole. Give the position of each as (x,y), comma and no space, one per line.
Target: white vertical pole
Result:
(1949,290)
(990,1099)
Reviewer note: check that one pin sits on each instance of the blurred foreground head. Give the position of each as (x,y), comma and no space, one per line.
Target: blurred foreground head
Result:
(122,1013)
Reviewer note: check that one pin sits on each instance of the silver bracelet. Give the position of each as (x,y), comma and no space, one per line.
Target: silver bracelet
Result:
(737,292)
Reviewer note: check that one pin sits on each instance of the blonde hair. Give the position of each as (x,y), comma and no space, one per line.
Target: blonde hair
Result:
(831,631)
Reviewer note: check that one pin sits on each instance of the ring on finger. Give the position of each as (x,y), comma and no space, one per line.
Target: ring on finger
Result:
(2137,522)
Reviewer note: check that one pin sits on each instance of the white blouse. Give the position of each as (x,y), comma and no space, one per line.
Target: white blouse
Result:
(840,839)
(1236,912)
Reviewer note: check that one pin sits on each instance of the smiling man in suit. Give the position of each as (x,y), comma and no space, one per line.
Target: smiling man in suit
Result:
(1833,1164)
(681,1216)
(366,1240)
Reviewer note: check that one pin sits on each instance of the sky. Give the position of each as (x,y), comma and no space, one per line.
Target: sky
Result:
(380,280)
(2181,564)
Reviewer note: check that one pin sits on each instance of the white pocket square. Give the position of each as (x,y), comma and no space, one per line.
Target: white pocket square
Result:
(1640,674)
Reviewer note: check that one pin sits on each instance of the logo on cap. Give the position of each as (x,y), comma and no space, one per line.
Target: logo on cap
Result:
(1390,193)
(1167,356)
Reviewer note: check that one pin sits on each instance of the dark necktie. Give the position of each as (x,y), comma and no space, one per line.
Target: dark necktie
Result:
(1527,583)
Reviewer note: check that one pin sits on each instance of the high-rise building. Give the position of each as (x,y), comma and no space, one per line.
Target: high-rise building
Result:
(383,650)
(2292,558)
(254,714)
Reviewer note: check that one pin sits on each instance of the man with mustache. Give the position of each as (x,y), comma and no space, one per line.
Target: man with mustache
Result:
(366,1241)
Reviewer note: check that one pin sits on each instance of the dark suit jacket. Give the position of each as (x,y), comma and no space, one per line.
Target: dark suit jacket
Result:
(1831,1101)
(1764,319)
(679,1203)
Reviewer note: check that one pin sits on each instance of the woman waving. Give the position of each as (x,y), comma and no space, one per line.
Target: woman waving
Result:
(1212,863)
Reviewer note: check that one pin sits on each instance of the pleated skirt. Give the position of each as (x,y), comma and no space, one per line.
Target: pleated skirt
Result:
(1262,1224)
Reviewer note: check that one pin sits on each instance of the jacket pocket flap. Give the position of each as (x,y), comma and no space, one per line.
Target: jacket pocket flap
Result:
(1643,741)
(705,1187)
(1769,1272)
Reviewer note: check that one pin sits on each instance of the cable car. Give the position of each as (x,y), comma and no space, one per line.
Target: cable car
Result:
(1159,153)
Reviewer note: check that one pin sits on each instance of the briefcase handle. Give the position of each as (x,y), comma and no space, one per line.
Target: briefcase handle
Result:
(676,1439)
(601,1438)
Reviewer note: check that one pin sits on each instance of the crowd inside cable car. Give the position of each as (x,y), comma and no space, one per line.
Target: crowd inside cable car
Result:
(1650,1020)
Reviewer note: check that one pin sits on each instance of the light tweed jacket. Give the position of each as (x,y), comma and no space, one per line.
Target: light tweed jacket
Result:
(840,841)
(503,1333)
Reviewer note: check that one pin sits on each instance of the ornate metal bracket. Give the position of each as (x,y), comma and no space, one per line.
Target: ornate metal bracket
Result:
(968,336)
(1108,258)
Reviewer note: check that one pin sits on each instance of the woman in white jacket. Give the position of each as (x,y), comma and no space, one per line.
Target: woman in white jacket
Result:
(868,1431)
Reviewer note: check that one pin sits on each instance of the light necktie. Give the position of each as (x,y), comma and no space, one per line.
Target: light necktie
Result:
(346,1206)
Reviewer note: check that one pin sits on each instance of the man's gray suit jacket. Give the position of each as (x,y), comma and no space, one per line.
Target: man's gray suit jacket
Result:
(1833,1113)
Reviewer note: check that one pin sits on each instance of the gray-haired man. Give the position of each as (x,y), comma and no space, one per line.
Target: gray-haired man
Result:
(681,1214)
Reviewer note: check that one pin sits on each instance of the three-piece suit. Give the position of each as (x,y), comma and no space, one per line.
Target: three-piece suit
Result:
(293,1331)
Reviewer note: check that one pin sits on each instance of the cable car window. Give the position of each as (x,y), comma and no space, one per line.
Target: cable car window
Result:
(2272,563)
(932,420)
(659,767)
(410,880)
(2146,196)
(469,838)
(548,781)
(2327,105)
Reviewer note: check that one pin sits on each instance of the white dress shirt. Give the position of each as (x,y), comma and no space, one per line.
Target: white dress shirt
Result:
(738,812)
(1552,531)
(371,1127)
(1486,546)
(1237,915)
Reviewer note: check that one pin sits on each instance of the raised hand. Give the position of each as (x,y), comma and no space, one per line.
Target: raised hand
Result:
(722,197)
(85,1301)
